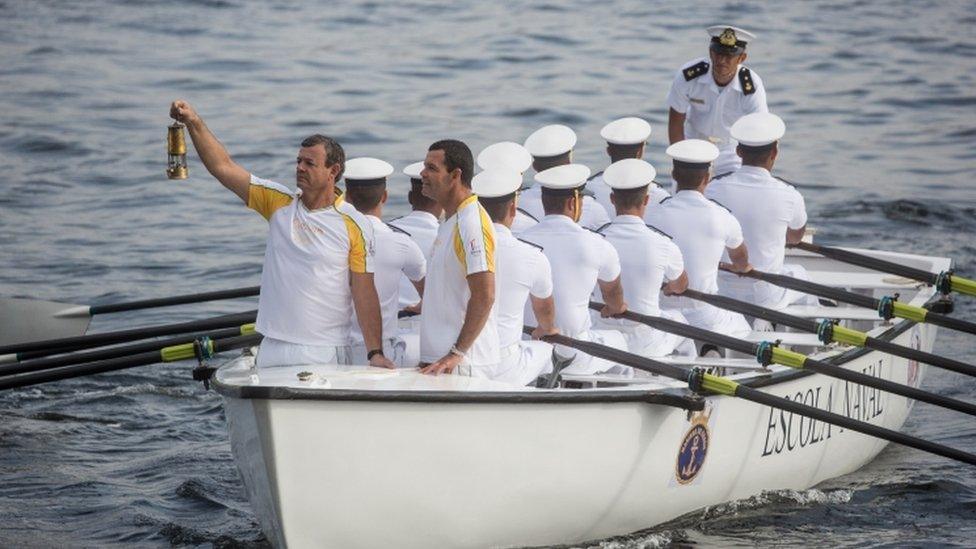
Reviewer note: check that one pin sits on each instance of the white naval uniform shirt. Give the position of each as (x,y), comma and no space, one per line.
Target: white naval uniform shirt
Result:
(601,193)
(711,110)
(765,207)
(702,230)
(593,215)
(305,294)
(647,259)
(522,221)
(522,270)
(397,256)
(579,258)
(465,245)
(422,228)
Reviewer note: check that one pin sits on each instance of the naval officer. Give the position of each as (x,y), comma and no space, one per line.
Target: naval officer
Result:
(523,275)
(397,256)
(772,213)
(552,146)
(626,138)
(509,155)
(709,94)
(458,327)
(420,224)
(649,261)
(581,260)
(704,230)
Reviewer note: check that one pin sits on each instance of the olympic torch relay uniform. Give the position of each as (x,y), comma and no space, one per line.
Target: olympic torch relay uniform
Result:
(305,295)
(465,245)
(397,256)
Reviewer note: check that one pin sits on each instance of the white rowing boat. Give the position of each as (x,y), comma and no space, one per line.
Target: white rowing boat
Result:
(372,458)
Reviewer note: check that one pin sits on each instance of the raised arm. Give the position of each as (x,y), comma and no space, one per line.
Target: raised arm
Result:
(213,155)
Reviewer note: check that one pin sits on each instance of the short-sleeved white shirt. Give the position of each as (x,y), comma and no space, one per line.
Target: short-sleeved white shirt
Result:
(601,193)
(522,270)
(711,110)
(422,228)
(305,294)
(765,207)
(702,229)
(593,215)
(465,245)
(648,258)
(578,257)
(397,256)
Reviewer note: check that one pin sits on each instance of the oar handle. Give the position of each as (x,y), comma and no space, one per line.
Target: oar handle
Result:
(175,300)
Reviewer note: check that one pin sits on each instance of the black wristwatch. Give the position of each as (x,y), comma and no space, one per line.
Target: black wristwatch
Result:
(374,352)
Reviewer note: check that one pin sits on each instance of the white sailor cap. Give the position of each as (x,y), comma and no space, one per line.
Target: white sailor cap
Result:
(552,140)
(729,39)
(505,154)
(626,131)
(567,177)
(413,170)
(629,173)
(497,182)
(366,171)
(692,153)
(758,129)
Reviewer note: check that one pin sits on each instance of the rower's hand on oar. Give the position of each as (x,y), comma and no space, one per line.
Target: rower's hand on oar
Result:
(542,331)
(182,111)
(735,267)
(445,365)
(380,361)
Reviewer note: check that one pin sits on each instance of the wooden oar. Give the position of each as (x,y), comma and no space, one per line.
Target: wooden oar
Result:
(701,382)
(767,353)
(887,307)
(23,351)
(829,332)
(21,320)
(168,354)
(945,282)
(46,363)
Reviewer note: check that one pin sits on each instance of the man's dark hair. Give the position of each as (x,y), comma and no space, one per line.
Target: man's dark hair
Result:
(457,155)
(333,151)
(364,197)
(555,203)
(496,208)
(543,163)
(419,202)
(688,178)
(621,152)
(756,156)
(626,199)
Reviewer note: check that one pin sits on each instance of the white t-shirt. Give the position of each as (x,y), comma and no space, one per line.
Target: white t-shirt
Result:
(422,228)
(593,215)
(702,229)
(578,257)
(522,270)
(601,193)
(711,110)
(465,245)
(305,294)
(648,258)
(397,256)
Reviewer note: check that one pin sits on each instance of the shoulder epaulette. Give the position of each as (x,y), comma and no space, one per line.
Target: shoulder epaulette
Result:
(720,204)
(397,229)
(659,231)
(394,219)
(695,70)
(604,226)
(665,199)
(527,214)
(745,80)
(721,175)
(594,176)
(595,231)
(533,244)
(785,182)
(587,192)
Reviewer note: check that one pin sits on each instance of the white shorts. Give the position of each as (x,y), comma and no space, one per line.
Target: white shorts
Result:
(393,349)
(584,364)
(275,352)
(649,342)
(521,363)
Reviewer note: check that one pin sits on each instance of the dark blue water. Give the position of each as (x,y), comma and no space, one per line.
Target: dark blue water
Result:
(880,109)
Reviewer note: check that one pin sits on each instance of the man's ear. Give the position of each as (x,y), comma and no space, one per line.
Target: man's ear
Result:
(385,196)
(647,199)
(742,57)
(335,169)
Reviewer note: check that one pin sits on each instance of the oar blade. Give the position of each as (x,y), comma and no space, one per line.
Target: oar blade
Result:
(26,320)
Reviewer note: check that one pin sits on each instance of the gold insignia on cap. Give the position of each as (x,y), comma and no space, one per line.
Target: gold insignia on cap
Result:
(727,38)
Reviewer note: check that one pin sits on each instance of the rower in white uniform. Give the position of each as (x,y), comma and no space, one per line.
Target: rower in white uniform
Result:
(420,224)
(703,230)
(772,212)
(709,94)
(552,146)
(648,259)
(626,138)
(581,259)
(396,256)
(522,274)
(509,155)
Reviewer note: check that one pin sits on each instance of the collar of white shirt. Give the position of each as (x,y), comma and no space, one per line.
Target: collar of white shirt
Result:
(689,195)
(425,216)
(753,173)
(561,221)
(734,83)
(627,219)
(501,231)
